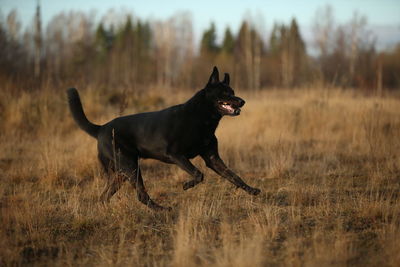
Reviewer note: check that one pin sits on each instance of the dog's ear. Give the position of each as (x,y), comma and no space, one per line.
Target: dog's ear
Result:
(226,79)
(214,78)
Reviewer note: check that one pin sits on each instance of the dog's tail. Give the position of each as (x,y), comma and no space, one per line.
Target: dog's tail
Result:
(79,116)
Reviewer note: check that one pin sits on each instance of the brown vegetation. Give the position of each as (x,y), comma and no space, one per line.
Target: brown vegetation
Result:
(327,162)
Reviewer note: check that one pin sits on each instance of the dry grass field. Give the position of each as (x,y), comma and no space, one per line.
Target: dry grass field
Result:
(327,162)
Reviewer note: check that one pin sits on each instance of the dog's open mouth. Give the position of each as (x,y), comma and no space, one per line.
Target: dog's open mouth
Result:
(228,108)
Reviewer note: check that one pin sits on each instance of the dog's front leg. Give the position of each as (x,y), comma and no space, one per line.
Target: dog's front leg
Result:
(187,166)
(215,163)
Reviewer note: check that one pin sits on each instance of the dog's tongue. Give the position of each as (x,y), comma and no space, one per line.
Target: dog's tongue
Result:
(228,108)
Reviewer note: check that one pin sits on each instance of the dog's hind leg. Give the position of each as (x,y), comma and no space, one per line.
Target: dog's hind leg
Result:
(118,171)
(105,163)
(113,185)
(128,169)
(136,181)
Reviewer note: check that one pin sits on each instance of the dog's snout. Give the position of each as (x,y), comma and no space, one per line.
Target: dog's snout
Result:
(241,102)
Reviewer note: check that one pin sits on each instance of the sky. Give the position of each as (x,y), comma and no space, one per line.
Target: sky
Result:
(383,16)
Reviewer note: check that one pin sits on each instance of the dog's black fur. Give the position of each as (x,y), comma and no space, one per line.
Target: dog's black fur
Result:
(173,135)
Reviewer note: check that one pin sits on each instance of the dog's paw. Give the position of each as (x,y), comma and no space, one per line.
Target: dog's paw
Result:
(103,199)
(154,206)
(185,186)
(162,208)
(254,191)
(168,209)
(188,185)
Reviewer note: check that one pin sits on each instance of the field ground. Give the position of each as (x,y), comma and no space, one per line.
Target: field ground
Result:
(327,162)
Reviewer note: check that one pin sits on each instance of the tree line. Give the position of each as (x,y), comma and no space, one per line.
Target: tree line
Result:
(143,53)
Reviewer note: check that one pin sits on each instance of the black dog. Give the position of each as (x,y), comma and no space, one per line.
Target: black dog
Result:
(173,135)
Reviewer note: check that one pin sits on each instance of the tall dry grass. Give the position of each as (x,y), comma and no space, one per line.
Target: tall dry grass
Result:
(327,161)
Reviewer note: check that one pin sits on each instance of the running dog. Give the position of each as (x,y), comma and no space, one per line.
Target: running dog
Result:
(172,135)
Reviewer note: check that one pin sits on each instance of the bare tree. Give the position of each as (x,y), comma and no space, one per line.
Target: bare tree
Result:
(164,35)
(173,41)
(249,46)
(357,26)
(13,25)
(257,49)
(38,41)
(323,28)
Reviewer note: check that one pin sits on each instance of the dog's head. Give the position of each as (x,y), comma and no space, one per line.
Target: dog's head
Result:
(222,96)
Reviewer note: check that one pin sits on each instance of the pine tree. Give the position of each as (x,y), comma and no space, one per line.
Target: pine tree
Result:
(287,45)
(243,55)
(228,44)
(275,40)
(249,48)
(208,41)
(142,46)
(297,53)
(124,37)
(102,42)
